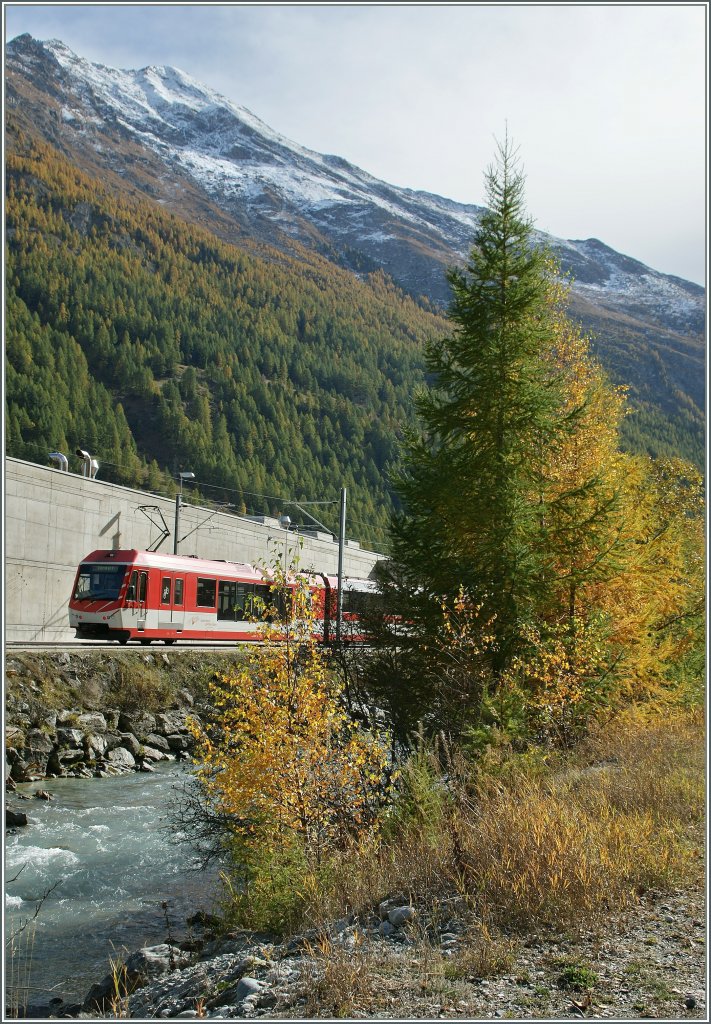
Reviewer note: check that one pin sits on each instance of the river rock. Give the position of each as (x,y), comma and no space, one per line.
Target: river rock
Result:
(140,723)
(141,967)
(92,721)
(95,744)
(151,754)
(20,770)
(399,916)
(246,987)
(37,749)
(157,742)
(129,741)
(113,740)
(69,737)
(121,758)
(170,722)
(178,742)
(14,819)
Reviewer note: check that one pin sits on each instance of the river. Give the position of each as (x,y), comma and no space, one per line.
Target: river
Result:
(109,847)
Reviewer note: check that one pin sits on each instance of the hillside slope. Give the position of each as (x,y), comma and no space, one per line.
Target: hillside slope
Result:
(159,134)
(160,348)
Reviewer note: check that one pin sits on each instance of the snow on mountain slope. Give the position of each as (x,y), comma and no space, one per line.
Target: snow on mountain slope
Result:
(247,168)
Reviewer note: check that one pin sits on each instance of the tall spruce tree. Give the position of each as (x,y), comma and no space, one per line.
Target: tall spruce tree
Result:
(474,487)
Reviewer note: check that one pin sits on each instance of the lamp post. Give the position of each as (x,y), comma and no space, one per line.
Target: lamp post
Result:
(178,503)
(285,523)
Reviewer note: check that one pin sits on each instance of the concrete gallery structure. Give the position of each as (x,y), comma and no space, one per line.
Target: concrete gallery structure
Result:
(53,519)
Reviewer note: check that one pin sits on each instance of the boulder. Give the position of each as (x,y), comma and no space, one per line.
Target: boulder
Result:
(121,758)
(113,740)
(157,742)
(130,742)
(20,770)
(140,723)
(92,721)
(95,744)
(178,742)
(141,967)
(151,754)
(399,916)
(14,819)
(169,722)
(69,737)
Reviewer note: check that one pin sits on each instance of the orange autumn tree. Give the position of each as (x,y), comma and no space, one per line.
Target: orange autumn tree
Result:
(280,762)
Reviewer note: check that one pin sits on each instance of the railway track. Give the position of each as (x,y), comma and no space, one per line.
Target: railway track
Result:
(102,645)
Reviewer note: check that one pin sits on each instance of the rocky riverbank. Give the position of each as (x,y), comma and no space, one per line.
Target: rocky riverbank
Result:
(399,963)
(94,714)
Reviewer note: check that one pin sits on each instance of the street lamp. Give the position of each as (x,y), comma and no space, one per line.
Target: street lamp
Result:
(178,502)
(185,476)
(285,523)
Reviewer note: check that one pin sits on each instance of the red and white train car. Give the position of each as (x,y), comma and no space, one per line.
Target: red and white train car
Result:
(146,596)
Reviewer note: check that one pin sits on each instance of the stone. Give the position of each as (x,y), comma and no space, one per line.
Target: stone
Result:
(121,758)
(151,754)
(141,967)
(69,737)
(168,722)
(386,929)
(140,723)
(113,740)
(399,916)
(95,744)
(92,721)
(177,742)
(390,904)
(20,771)
(130,742)
(248,986)
(157,742)
(14,819)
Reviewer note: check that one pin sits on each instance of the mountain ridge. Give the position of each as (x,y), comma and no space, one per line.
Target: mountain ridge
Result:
(168,137)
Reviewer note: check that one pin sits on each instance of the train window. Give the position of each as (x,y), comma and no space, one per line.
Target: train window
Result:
(99,582)
(165,590)
(206,590)
(359,602)
(227,600)
(132,588)
(142,586)
(178,597)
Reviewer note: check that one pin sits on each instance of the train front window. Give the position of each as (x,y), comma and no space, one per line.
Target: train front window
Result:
(99,582)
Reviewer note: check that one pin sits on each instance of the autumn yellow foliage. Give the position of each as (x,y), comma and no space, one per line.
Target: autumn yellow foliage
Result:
(281,759)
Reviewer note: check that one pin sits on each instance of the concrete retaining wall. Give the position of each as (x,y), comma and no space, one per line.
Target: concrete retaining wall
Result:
(54,519)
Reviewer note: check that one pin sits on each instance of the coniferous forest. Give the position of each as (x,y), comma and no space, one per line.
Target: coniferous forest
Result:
(158,347)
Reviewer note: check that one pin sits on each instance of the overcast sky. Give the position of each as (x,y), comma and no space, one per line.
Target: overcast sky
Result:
(606,102)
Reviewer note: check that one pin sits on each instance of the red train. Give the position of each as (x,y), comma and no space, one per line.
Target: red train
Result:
(146,595)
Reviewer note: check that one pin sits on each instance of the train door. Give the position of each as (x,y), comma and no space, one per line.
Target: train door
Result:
(171,609)
(136,600)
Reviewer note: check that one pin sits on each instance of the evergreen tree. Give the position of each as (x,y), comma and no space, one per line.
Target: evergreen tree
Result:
(475,487)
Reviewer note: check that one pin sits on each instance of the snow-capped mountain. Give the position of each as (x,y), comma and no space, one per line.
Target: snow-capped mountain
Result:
(185,145)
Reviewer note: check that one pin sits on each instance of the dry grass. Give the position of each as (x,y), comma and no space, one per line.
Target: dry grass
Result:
(337,980)
(525,846)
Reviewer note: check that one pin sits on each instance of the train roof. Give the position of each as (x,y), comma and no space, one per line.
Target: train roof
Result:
(211,567)
(176,563)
